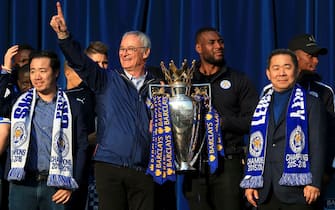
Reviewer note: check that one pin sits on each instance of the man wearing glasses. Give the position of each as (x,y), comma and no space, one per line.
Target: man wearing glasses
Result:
(123,137)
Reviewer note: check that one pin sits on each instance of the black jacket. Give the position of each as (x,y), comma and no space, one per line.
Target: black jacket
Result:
(311,81)
(235,98)
(85,97)
(8,94)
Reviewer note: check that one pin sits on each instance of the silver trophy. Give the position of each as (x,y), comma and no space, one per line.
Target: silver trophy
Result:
(186,101)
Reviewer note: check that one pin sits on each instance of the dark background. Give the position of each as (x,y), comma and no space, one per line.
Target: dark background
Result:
(251,28)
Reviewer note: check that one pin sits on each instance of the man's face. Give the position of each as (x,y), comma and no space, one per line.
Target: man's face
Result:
(42,77)
(306,61)
(132,53)
(211,48)
(100,59)
(24,81)
(22,58)
(281,72)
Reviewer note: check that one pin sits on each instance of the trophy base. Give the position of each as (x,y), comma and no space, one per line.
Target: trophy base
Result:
(185,167)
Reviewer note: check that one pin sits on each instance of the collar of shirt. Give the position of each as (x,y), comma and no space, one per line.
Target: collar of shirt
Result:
(46,102)
(138,82)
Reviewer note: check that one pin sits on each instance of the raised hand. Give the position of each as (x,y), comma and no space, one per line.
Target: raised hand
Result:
(58,23)
(8,57)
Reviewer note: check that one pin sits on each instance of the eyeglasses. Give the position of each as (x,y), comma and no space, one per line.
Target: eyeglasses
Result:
(129,49)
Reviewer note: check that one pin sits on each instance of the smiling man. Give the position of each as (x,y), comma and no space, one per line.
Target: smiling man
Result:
(47,144)
(234,97)
(284,165)
(123,137)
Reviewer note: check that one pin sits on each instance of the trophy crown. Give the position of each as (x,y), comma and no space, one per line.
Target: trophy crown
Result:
(175,75)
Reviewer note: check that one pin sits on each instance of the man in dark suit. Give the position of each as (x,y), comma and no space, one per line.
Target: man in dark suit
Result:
(285,159)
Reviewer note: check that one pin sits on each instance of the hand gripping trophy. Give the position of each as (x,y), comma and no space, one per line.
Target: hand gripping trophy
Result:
(178,111)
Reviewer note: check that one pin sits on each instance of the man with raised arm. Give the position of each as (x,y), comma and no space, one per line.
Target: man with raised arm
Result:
(123,137)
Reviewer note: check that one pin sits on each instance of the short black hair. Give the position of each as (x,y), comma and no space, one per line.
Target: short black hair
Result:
(25,47)
(54,61)
(203,30)
(283,52)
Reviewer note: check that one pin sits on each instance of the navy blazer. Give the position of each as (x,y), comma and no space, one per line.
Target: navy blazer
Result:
(276,142)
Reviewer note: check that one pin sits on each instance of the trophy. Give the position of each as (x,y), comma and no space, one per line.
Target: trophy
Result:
(184,115)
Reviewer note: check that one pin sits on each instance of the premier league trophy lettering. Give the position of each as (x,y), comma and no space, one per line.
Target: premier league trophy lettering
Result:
(177,113)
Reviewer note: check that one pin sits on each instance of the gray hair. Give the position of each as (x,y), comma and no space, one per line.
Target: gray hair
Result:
(143,37)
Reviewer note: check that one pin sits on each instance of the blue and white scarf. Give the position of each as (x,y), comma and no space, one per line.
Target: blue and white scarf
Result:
(61,163)
(296,160)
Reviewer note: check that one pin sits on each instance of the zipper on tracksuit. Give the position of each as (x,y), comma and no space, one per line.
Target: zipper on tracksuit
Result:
(138,115)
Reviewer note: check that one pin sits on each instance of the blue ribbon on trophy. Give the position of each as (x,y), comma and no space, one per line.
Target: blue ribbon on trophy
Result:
(179,108)
(214,138)
(161,164)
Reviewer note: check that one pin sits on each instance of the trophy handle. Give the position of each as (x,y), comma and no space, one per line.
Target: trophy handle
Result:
(195,129)
(197,154)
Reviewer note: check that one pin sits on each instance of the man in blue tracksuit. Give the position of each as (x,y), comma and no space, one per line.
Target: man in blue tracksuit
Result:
(123,136)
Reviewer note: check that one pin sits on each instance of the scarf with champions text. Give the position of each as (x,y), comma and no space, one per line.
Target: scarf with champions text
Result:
(61,163)
(296,160)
